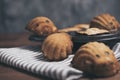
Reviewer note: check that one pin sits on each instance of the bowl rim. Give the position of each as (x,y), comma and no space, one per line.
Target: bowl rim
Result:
(76,37)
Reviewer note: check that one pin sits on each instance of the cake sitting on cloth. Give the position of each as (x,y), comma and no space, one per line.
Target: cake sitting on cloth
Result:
(31,59)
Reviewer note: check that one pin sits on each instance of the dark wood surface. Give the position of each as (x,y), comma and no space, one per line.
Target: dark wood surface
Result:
(10,73)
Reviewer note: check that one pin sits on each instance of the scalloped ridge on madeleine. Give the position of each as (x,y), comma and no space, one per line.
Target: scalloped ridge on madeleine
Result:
(105,21)
(57,46)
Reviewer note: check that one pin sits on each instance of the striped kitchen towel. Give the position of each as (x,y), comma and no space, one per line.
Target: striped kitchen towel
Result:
(31,59)
(116,50)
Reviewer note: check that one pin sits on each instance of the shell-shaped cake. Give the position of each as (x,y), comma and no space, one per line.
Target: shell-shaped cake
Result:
(97,59)
(57,46)
(42,26)
(105,21)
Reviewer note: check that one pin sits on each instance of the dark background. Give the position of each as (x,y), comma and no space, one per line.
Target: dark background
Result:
(15,14)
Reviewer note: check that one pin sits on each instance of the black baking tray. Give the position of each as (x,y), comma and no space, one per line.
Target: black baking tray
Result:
(109,39)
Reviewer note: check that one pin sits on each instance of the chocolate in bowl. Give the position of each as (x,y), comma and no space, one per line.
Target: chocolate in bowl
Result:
(109,39)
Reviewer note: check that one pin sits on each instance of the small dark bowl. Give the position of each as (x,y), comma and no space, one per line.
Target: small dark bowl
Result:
(109,39)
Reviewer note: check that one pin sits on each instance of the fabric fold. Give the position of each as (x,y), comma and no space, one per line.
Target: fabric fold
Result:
(32,60)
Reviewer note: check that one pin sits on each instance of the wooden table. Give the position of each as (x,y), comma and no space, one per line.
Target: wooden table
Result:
(10,73)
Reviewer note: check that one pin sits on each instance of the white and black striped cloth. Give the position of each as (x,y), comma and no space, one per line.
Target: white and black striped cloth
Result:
(31,59)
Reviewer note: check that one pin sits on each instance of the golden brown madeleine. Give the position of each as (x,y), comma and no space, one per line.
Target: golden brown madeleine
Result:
(75,28)
(41,26)
(105,21)
(97,59)
(57,46)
